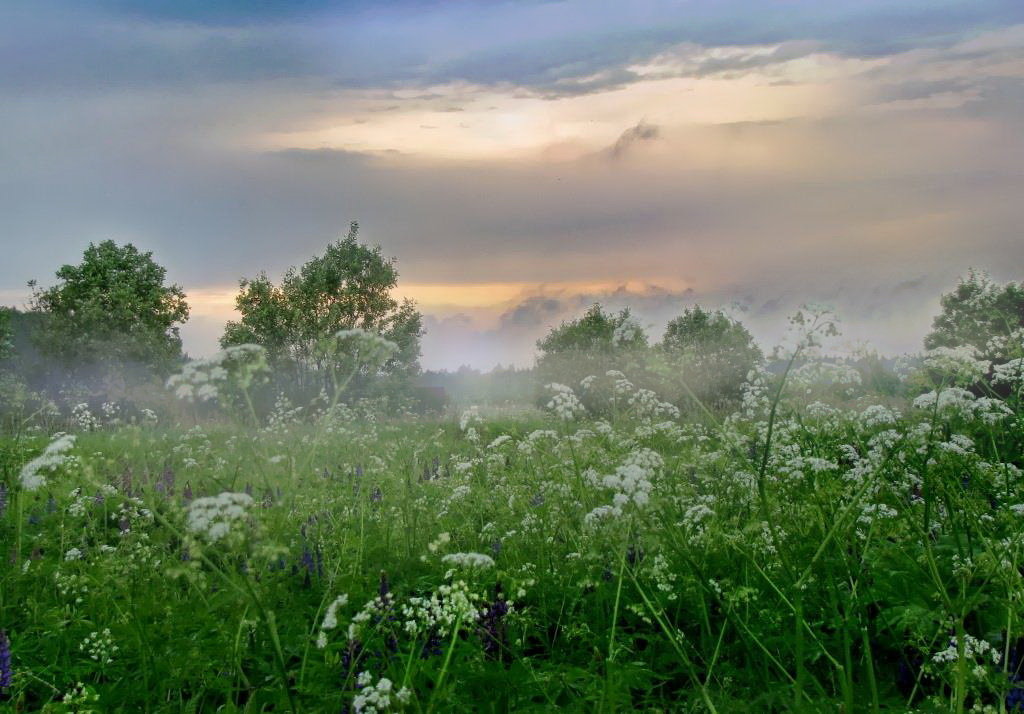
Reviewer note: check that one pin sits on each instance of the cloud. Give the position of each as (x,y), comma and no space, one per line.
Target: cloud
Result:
(641,132)
(800,147)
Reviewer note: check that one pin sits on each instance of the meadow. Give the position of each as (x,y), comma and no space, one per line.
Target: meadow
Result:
(814,550)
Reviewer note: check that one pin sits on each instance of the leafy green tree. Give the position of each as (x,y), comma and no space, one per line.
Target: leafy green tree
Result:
(110,312)
(979,313)
(594,332)
(706,355)
(349,286)
(592,344)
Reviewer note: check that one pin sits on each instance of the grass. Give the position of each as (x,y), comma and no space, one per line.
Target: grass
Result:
(788,557)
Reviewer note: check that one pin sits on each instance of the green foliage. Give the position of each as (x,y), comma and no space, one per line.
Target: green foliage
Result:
(595,332)
(111,312)
(977,312)
(592,344)
(528,564)
(706,356)
(349,286)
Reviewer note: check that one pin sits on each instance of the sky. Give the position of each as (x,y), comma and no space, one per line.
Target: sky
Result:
(523,159)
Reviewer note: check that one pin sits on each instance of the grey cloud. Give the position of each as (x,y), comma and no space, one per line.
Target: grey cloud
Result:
(641,132)
(553,49)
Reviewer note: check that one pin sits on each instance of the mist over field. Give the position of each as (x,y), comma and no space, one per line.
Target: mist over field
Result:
(501,356)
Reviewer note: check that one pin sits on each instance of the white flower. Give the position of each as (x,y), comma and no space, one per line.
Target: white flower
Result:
(564,403)
(961,363)
(469,560)
(212,517)
(54,456)
(330,620)
(470,417)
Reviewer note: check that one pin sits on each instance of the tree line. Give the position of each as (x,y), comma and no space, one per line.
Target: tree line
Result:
(113,320)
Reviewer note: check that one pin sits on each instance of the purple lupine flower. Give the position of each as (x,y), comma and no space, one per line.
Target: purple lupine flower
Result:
(377,496)
(3,499)
(350,657)
(307,558)
(126,482)
(634,554)
(384,589)
(492,623)
(124,525)
(433,646)
(99,499)
(51,505)
(5,662)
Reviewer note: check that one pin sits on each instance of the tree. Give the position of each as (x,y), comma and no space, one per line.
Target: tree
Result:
(592,344)
(977,312)
(595,332)
(349,286)
(707,355)
(111,311)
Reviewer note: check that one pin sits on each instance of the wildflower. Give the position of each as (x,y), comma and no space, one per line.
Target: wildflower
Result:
(469,561)
(442,540)
(53,457)
(212,517)
(962,363)
(470,417)
(99,646)
(5,661)
(492,623)
(374,698)
(73,554)
(202,380)
(330,620)
(450,605)
(83,418)
(564,403)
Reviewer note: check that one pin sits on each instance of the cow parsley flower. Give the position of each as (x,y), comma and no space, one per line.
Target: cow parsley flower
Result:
(449,605)
(563,402)
(212,517)
(961,363)
(380,697)
(469,561)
